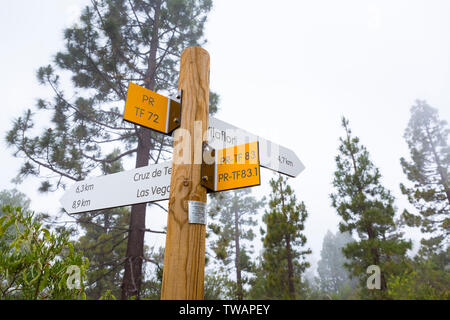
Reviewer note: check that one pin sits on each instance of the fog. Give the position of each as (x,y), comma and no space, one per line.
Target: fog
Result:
(286,71)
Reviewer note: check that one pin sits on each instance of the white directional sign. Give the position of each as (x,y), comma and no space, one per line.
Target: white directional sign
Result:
(271,155)
(145,184)
(152,183)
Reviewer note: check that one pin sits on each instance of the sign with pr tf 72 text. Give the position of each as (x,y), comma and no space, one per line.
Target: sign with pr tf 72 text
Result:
(152,110)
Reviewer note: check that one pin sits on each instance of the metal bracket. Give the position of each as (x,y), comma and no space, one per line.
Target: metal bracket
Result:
(178,96)
(208,169)
(174,116)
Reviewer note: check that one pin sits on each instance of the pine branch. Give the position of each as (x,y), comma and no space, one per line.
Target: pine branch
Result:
(124,59)
(122,137)
(152,261)
(104,77)
(137,19)
(109,239)
(110,160)
(70,105)
(122,261)
(48,166)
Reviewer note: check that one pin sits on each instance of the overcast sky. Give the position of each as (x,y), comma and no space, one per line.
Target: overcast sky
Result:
(285,70)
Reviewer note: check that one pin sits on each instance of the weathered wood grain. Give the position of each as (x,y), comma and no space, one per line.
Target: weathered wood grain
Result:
(184,258)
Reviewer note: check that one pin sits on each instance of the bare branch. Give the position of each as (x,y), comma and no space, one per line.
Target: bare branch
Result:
(153,231)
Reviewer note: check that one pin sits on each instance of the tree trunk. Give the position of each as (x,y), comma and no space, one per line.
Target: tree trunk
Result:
(239,292)
(288,251)
(132,280)
(376,259)
(290,268)
(440,170)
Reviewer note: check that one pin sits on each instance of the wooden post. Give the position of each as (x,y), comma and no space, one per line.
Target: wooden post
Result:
(184,257)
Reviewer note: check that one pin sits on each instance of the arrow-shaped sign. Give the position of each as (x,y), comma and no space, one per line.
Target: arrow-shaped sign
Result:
(145,184)
(152,183)
(271,155)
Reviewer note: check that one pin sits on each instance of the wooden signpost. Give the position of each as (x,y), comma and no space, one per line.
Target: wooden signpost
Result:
(184,254)
(230,158)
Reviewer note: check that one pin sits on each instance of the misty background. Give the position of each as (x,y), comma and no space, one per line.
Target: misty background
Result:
(286,71)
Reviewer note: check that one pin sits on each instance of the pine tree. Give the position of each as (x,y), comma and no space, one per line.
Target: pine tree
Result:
(14,198)
(367,209)
(215,286)
(283,256)
(333,275)
(103,243)
(235,211)
(152,286)
(428,170)
(114,42)
(425,278)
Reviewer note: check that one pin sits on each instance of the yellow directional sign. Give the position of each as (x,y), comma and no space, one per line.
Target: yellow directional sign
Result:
(152,110)
(232,168)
